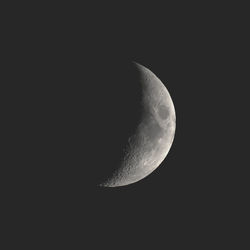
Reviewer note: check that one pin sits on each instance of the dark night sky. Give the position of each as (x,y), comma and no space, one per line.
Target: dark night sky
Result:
(189,197)
(185,196)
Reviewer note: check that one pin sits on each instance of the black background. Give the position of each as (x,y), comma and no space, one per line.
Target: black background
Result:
(190,199)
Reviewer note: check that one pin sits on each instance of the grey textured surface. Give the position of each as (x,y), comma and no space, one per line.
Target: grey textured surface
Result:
(151,142)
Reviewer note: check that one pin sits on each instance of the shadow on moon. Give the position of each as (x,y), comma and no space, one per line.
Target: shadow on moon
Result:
(83,119)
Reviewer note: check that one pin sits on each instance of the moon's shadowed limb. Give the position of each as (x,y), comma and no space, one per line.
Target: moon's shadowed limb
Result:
(119,110)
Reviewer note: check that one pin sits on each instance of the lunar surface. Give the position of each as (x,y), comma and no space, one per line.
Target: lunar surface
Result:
(105,122)
(153,135)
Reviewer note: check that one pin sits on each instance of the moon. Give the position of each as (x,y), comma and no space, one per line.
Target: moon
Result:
(153,135)
(108,124)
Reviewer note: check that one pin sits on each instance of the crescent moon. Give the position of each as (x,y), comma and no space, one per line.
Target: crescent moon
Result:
(153,137)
